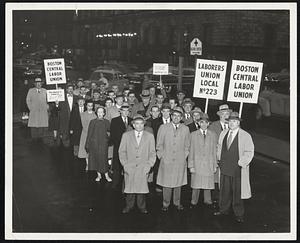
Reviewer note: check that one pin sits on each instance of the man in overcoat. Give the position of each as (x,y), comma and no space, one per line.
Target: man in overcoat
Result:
(202,161)
(173,143)
(137,155)
(118,126)
(143,108)
(235,151)
(38,110)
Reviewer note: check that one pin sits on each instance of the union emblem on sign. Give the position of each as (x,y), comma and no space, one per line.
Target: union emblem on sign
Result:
(196,47)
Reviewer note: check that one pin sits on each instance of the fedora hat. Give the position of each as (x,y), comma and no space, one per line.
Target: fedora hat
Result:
(180,91)
(145,93)
(204,117)
(188,101)
(36,80)
(234,116)
(196,110)
(138,117)
(177,109)
(125,106)
(223,108)
(166,106)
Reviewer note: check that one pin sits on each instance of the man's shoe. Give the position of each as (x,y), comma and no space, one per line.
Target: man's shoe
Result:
(193,206)
(126,210)
(164,209)
(218,213)
(239,219)
(179,208)
(144,211)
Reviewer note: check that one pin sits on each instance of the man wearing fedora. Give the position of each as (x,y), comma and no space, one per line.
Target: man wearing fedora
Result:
(235,151)
(137,155)
(36,100)
(118,126)
(187,105)
(196,114)
(144,107)
(173,144)
(180,97)
(202,161)
(218,127)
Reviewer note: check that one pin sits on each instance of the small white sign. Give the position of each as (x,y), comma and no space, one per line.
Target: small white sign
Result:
(196,47)
(55,71)
(55,95)
(245,80)
(209,79)
(160,68)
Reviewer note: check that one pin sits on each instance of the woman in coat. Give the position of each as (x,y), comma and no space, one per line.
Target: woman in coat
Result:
(96,144)
(202,161)
(86,117)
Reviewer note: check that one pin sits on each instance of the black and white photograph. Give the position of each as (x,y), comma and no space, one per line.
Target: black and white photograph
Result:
(115,113)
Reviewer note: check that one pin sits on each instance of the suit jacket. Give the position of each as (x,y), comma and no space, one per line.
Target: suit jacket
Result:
(246,153)
(192,127)
(216,127)
(112,112)
(75,125)
(64,115)
(187,121)
(139,109)
(137,160)
(155,124)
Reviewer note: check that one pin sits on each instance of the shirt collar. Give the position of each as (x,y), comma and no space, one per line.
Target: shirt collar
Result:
(136,132)
(234,132)
(203,131)
(178,125)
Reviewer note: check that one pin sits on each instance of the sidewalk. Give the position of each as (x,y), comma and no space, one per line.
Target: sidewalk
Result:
(271,147)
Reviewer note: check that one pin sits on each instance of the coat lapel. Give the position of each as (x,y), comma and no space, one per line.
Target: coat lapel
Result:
(133,138)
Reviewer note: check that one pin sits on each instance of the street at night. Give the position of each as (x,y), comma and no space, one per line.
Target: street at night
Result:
(141,121)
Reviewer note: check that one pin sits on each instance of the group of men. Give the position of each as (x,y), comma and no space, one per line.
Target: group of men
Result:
(155,138)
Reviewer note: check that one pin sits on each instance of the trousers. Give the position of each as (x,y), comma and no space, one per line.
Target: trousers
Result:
(140,198)
(230,194)
(196,193)
(167,193)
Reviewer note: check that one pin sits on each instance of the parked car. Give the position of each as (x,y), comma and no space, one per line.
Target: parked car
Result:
(113,77)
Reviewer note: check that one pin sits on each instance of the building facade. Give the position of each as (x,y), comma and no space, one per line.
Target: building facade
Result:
(146,36)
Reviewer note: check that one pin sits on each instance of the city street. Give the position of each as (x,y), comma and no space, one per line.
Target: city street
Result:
(54,194)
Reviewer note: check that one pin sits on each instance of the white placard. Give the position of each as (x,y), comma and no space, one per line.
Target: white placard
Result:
(245,80)
(160,68)
(209,79)
(196,47)
(55,71)
(55,95)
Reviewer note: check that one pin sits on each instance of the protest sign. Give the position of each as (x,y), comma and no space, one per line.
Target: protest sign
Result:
(55,95)
(209,79)
(55,71)
(160,68)
(245,80)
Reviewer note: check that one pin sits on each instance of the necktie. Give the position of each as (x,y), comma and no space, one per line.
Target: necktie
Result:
(166,121)
(229,139)
(138,137)
(176,126)
(39,91)
(204,134)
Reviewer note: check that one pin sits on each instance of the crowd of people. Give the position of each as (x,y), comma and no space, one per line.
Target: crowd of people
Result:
(149,138)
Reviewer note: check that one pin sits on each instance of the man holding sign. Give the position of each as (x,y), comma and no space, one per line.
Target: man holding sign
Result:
(38,110)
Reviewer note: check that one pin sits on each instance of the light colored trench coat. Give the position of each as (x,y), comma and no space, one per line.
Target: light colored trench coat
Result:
(203,158)
(246,153)
(137,160)
(172,150)
(38,107)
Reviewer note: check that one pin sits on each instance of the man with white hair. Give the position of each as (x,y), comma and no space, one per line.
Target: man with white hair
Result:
(137,155)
